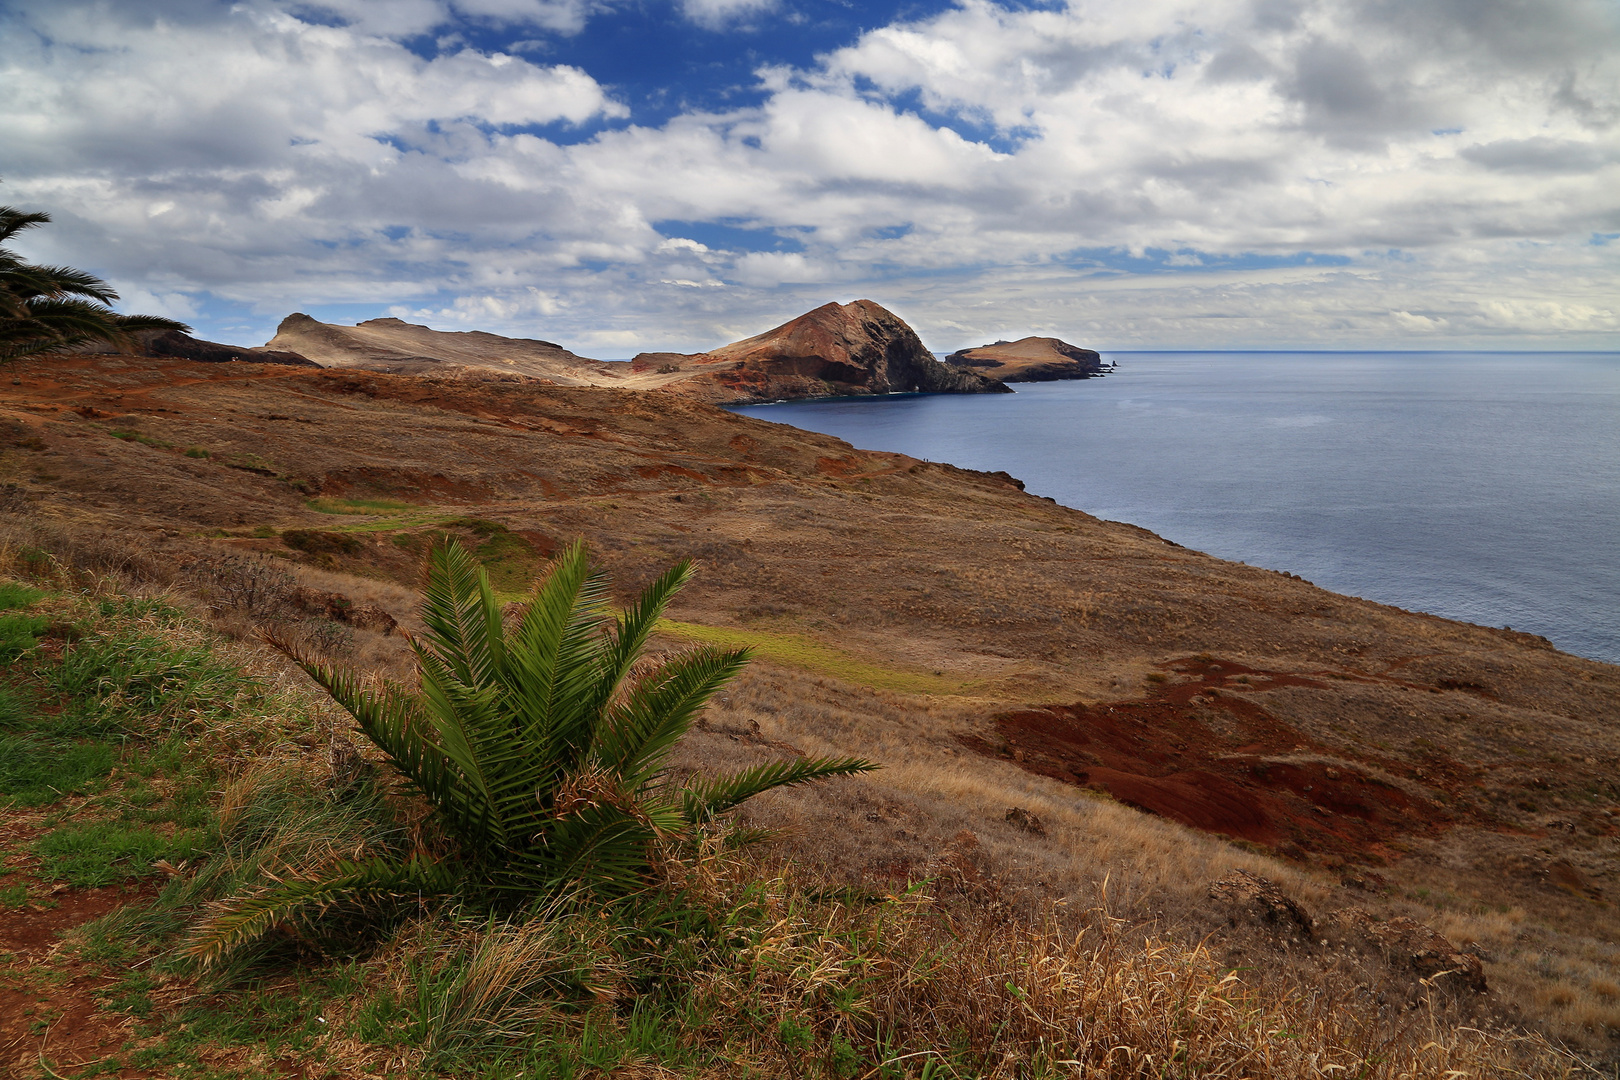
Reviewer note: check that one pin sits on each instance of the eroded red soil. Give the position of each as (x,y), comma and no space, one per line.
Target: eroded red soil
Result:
(51,1012)
(1202,752)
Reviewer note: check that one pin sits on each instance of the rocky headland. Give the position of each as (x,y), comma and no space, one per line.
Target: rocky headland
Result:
(1030,359)
(837,350)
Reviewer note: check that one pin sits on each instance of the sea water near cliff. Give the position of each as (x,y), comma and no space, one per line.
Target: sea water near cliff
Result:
(1478,486)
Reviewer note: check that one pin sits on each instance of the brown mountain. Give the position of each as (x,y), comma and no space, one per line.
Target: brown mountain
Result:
(403,348)
(835,350)
(1031,359)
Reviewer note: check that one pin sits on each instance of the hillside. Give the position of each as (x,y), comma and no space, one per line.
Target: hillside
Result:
(1156,717)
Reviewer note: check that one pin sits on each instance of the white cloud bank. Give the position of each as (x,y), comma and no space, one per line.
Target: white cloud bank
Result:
(1129,173)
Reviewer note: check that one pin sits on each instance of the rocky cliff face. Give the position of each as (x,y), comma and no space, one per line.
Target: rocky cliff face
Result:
(837,349)
(1031,359)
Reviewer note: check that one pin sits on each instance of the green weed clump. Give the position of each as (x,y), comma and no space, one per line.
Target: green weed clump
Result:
(131,678)
(327,505)
(19,631)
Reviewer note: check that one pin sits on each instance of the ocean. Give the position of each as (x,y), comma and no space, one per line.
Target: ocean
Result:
(1478,486)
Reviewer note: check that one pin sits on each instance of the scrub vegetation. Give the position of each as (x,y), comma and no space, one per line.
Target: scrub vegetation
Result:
(193,787)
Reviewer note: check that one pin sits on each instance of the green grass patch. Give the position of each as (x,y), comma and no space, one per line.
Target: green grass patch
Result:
(37,772)
(15,596)
(133,680)
(510,560)
(373,507)
(144,440)
(98,853)
(197,452)
(797,650)
(321,542)
(19,631)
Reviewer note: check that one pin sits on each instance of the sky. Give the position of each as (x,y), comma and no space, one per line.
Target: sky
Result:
(627,175)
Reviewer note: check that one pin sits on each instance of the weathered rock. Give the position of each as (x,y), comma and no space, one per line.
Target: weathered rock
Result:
(1262,899)
(1409,944)
(1031,359)
(836,350)
(1026,820)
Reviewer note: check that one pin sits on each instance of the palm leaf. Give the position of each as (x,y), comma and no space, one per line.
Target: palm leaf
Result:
(661,709)
(702,800)
(246,918)
(635,625)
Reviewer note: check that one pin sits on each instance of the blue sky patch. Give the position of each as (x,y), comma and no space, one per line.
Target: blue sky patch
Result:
(728,236)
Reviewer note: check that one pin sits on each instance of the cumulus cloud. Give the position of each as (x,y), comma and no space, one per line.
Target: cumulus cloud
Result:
(1129,172)
(717,14)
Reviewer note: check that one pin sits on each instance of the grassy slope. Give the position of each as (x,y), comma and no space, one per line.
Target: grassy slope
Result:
(896,605)
(736,968)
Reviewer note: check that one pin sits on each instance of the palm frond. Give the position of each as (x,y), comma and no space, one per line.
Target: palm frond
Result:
(702,800)
(555,660)
(14,221)
(634,625)
(462,616)
(244,919)
(641,733)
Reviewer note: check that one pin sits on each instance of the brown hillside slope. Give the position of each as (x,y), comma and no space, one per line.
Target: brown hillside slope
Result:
(405,348)
(995,649)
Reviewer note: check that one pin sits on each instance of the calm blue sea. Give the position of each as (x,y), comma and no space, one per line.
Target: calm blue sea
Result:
(1478,486)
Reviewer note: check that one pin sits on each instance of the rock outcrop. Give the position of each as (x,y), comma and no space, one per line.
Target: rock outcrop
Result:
(836,350)
(1031,359)
(1411,945)
(402,348)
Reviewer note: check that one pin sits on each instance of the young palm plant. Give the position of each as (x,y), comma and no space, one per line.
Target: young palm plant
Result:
(541,751)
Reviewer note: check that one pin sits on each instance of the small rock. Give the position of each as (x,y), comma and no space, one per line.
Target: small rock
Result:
(1264,899)
(1024,819)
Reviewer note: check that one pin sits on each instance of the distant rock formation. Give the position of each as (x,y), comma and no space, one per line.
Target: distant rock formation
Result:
(402,348)
(174,343)
(836,350)
(1031,359)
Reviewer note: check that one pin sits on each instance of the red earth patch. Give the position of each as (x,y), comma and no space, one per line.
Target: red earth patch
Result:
(1261,781)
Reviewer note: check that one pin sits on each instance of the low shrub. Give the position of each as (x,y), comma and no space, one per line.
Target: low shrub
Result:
(321,542)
